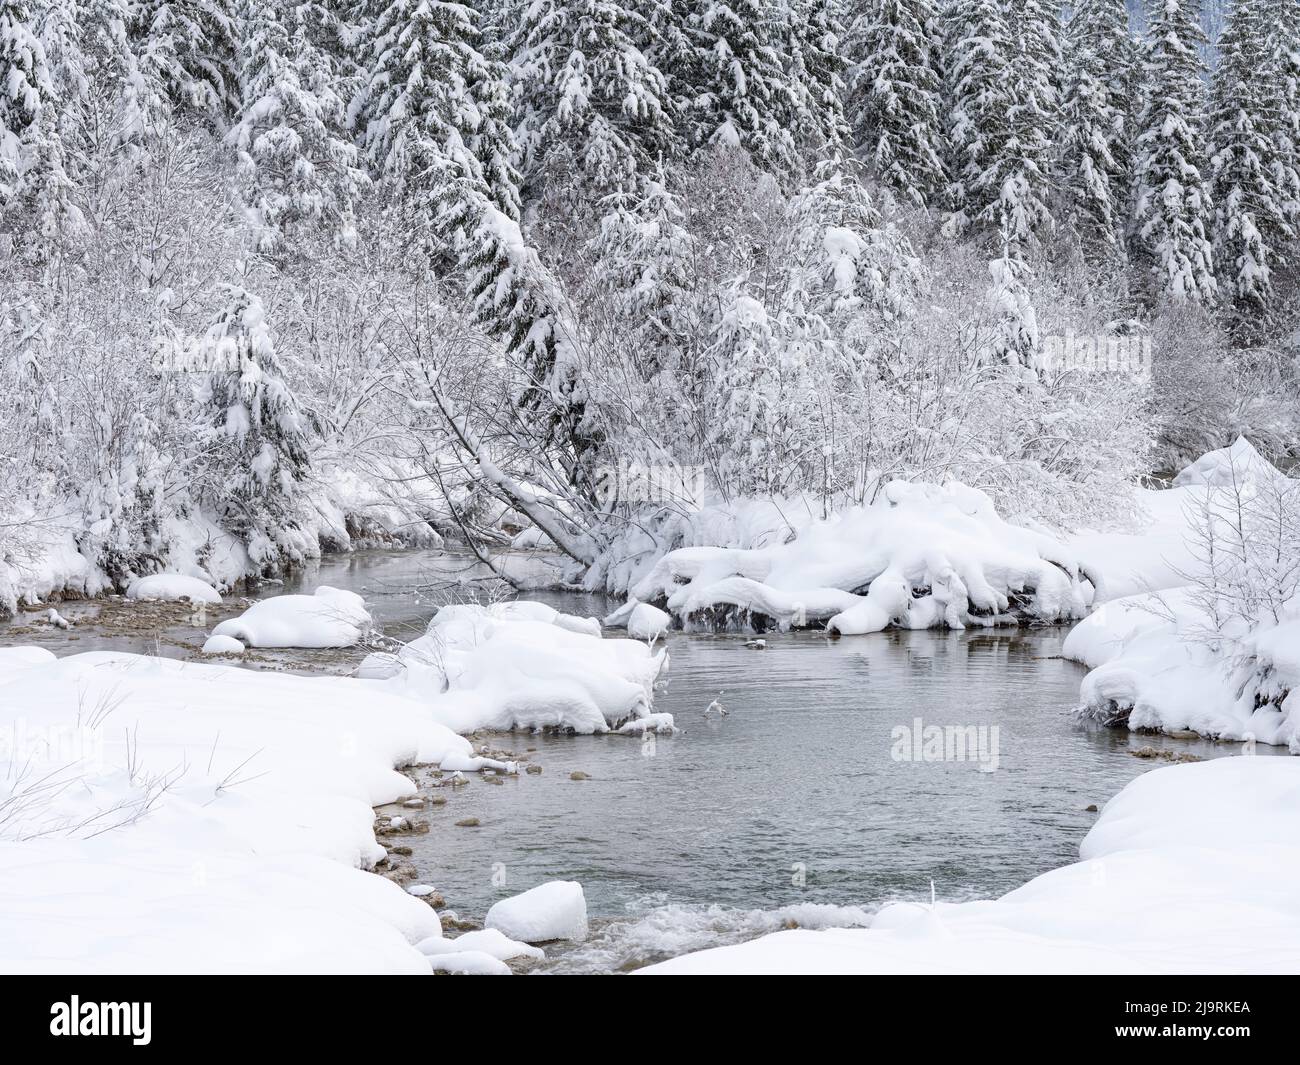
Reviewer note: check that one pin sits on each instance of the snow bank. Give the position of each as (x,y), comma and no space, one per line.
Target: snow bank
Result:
(554,910)
(1158,554)
(1190,869)
(921,556)
(1159,659)
(523,665)
(172,586)
(1155,666)
(331,617)
(178,817)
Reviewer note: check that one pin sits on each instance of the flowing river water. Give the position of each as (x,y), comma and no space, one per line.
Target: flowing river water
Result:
(809,802)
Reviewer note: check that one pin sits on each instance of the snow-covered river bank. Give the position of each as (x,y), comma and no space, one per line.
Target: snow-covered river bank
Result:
(808,803)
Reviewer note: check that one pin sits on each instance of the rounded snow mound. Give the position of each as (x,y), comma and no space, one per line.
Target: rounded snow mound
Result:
(171,587)
(223,645)
(331,617)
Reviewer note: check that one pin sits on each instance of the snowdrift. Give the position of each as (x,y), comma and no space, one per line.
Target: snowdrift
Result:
(1190,869)
(179,817)
(923,555)
(523,665)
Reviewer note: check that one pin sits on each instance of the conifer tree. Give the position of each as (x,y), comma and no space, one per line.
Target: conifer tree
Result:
(1170,230)
(896,98)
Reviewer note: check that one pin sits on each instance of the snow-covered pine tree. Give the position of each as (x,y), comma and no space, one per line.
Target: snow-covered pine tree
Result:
(1170,230)
(896,98)
(1282,29)
(295,165)
(854,263)
(257,434)
(25,93)
(1033,120)
(740,88)
(977,63)
(1093,171)
(1250,216)
(819,73)
(189,48)
(586,93)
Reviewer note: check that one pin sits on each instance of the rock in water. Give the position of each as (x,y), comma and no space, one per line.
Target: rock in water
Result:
(554,910)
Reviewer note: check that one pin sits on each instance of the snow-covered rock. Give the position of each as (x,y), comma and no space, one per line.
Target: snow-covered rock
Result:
(554,910)
(486,941)
(524,665)
(172,586)
(923,555)
(222,645)
(468,963)
(331,617)
(1190,869)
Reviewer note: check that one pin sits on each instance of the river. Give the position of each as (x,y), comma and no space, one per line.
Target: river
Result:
(809,791)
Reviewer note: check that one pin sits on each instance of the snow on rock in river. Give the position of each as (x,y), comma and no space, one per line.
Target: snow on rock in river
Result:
(165,816)
(524,665)
(173,586)
(330,618)
(1190,869)
(554,910)
(922,555)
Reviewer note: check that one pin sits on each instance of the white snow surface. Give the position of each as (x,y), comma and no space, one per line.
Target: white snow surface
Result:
(173,586)
(554,910)
(202,818)
(332,617)
(922,555)
(1189,869)
(524,665)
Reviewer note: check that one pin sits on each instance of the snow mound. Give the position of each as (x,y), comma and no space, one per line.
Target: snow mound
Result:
(1238,464)
(523,665)
(222,645)
(642,621)
(1154,666)
(330,618)
(172,586)
(1190,869)
(921,556)
(468,963)
(486,941)
(554,910)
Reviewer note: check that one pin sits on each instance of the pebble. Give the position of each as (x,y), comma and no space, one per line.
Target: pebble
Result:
(533,769)
(578,774)
(468,822)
